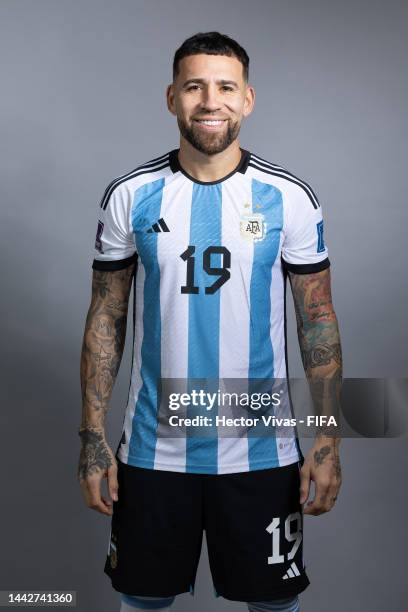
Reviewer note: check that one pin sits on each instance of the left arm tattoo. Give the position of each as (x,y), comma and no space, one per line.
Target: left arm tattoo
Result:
(319,339)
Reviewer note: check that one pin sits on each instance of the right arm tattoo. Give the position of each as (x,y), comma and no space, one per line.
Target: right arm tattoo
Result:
(102,349)
(95,453)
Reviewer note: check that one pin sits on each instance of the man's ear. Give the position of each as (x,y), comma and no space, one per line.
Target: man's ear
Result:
(170,98)
(249,101)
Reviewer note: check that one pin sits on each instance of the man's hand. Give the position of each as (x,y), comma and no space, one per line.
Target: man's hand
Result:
(322,465)
(96,461)
(319,341)
(102,348)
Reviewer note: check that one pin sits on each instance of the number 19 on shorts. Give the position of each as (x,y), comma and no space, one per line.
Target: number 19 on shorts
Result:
(293,533)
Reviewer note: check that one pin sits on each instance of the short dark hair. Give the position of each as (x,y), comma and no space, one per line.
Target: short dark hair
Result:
(211,43)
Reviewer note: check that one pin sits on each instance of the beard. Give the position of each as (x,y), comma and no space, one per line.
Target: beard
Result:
(210,144)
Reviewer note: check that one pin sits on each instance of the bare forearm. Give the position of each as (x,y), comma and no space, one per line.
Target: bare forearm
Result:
(322,362)
(319,341)
(103,342)
(100,359)
(325,382)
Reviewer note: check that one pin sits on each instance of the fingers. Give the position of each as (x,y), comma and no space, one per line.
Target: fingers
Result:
(91,489)
(325,497)
(96,461)
(113,482)
(323,467)
(304,483)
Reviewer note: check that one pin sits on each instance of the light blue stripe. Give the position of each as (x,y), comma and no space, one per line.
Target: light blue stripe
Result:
(263,450)
(142,443)
(147,603)
(204,321)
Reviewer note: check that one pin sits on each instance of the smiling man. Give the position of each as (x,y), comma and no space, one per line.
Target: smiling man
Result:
(208,233)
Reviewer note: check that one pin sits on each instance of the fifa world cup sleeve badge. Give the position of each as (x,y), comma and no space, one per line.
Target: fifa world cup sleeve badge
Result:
(98,239)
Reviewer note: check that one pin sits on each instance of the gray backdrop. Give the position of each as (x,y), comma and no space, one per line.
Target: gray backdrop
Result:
(82,101)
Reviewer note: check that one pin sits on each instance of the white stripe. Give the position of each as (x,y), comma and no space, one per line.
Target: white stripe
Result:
(118,180)
(288,175)
(263,161)
(157,162)
(277,330)
(286,445)
(290,573)
(234,343)
(136,379)
(295,569)
(176,206)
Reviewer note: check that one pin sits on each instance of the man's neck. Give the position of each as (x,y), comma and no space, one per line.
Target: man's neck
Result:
(208,168)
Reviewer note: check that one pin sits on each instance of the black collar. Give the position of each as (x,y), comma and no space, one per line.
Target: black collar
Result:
(176,167)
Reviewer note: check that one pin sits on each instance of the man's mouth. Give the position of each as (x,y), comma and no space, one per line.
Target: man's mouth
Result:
(210,121)
(210,124)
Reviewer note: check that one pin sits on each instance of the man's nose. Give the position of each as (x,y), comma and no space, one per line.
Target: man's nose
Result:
(210,98)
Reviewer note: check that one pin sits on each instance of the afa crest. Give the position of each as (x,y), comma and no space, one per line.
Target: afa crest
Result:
(252,227)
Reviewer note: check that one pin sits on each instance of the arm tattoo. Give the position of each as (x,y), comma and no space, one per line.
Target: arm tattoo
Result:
(321,354)
(95,454)
(320,454)
(319,340)
(103,343)
(316,321)
(330,453)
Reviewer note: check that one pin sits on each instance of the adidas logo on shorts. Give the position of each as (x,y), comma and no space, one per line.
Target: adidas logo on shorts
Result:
(292,572)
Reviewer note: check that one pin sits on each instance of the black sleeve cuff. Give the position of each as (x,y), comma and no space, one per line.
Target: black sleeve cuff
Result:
(306,268)
(111,266)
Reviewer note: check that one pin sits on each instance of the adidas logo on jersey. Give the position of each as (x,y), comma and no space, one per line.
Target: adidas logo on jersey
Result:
(292,572)
(160,226)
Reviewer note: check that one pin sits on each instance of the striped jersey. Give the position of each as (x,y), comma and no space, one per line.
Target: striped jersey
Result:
(209,295)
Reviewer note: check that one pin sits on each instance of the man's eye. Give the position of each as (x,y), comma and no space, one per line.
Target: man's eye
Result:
(225,87)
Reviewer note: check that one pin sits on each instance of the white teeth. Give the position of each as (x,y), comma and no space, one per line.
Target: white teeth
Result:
(207,122)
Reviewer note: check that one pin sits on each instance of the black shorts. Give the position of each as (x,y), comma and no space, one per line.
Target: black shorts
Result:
(253,523)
